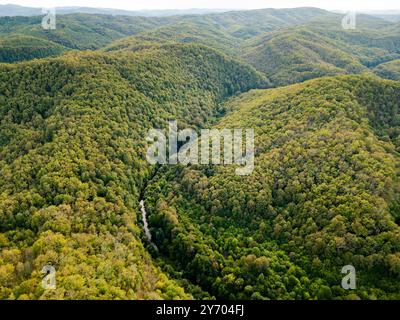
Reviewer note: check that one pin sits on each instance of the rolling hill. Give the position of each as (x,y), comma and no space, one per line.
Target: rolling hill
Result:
(19,48)
(72,163)
(76,104)
(183,32)
(286,53)
(93,31)
(389,70)
(9,10)
(324,194)
(78,31)
(323,48)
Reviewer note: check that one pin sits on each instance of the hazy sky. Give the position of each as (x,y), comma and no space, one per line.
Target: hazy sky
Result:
(225,4)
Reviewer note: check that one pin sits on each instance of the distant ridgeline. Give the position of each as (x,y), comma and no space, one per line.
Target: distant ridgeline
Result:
(288,45)
(10,10)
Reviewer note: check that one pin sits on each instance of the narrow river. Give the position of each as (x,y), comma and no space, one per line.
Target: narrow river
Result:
(146,225)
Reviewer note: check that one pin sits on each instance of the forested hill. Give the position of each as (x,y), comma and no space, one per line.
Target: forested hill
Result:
(288,53)
(92,31)
(287,45)
(389,70)
(323,48)
(324,194)
(72,163)
(76,104)
(78,31)
(18,48)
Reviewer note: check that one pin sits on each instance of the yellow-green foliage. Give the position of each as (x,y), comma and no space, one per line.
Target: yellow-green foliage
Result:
(324,194)
(72,163)
(389,70)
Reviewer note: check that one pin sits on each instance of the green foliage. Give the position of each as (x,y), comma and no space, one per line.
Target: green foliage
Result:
(389,70)
(77,31)
(184,32)
(72,164)
(322,48)
(325,191)
(19,48)
(323,194)
(93,31)
(285,53)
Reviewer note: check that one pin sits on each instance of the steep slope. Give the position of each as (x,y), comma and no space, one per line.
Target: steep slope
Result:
(72,164)
(324,194)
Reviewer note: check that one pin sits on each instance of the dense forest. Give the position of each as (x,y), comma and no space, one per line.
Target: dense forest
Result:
(313,40)
(72,163)
(324,194)
(389,70)
(93,31)
(76,104)
(320,49)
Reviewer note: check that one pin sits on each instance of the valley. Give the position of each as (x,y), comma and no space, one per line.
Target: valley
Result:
(76,190)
